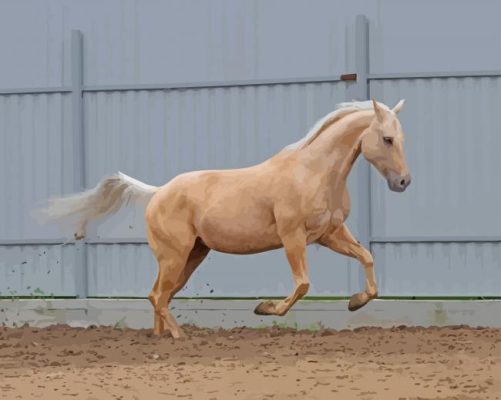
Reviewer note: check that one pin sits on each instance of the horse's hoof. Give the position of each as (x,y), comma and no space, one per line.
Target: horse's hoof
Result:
(358,300)
(265,308)
(177,334)
(78,235)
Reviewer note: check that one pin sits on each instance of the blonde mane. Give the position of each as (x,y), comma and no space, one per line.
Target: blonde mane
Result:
(342,109)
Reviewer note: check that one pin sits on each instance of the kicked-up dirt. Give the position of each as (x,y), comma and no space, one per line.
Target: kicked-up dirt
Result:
(61,362)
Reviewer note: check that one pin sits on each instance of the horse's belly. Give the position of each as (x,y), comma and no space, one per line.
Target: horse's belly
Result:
(248,247)
(239,235)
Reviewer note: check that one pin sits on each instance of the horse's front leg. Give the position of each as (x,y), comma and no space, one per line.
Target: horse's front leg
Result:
(295,249)
(343,242)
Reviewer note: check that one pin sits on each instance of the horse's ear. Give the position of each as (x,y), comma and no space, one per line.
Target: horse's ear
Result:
(399,106)
(378,111)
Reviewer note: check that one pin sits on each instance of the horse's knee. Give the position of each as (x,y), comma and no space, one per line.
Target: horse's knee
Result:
(366,258)
(368,261)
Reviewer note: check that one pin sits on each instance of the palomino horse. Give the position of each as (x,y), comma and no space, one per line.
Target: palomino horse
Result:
(295,198)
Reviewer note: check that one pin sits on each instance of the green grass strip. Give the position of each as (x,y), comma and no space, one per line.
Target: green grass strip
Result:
(307,298)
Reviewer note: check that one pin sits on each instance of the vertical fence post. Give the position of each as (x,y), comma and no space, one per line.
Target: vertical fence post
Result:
(81,275)
(362,89)
(359,90)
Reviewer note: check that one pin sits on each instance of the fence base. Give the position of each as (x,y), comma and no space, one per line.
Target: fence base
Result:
(308,314)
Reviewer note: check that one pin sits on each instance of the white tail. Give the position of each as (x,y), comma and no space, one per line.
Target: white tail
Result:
(105,199)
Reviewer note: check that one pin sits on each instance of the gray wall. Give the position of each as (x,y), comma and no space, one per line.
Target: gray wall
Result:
(441,237)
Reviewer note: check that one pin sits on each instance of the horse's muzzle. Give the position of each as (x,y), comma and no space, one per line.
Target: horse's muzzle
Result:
(398,183)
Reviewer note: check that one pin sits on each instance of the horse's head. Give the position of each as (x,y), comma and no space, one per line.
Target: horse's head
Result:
(383,146)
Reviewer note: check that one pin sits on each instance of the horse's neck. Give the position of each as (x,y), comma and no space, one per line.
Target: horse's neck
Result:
(336,149)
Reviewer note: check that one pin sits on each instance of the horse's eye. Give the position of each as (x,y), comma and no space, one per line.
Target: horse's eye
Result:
(388,140)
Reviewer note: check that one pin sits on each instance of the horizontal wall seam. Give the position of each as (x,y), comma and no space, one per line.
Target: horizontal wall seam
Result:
(431,75)
(243,83)
(38,90)
(208,85)
(176,86)
(435,239)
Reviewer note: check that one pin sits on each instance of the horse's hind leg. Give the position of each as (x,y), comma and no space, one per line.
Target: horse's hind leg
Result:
(174,270)
(158,325)
(169,272)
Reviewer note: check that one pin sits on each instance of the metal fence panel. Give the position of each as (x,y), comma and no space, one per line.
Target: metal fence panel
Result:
(36,158)
(453,142)
(407,36)
(438,269)
(133,42)
(37,270)
(453,146)
(37,163)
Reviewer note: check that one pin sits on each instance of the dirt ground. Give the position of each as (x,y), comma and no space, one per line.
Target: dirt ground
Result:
(61,362)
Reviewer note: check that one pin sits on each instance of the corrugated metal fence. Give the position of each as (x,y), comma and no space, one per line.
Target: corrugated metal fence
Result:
(440,238)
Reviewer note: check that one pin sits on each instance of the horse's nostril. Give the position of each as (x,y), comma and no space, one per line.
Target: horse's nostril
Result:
(402,182)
